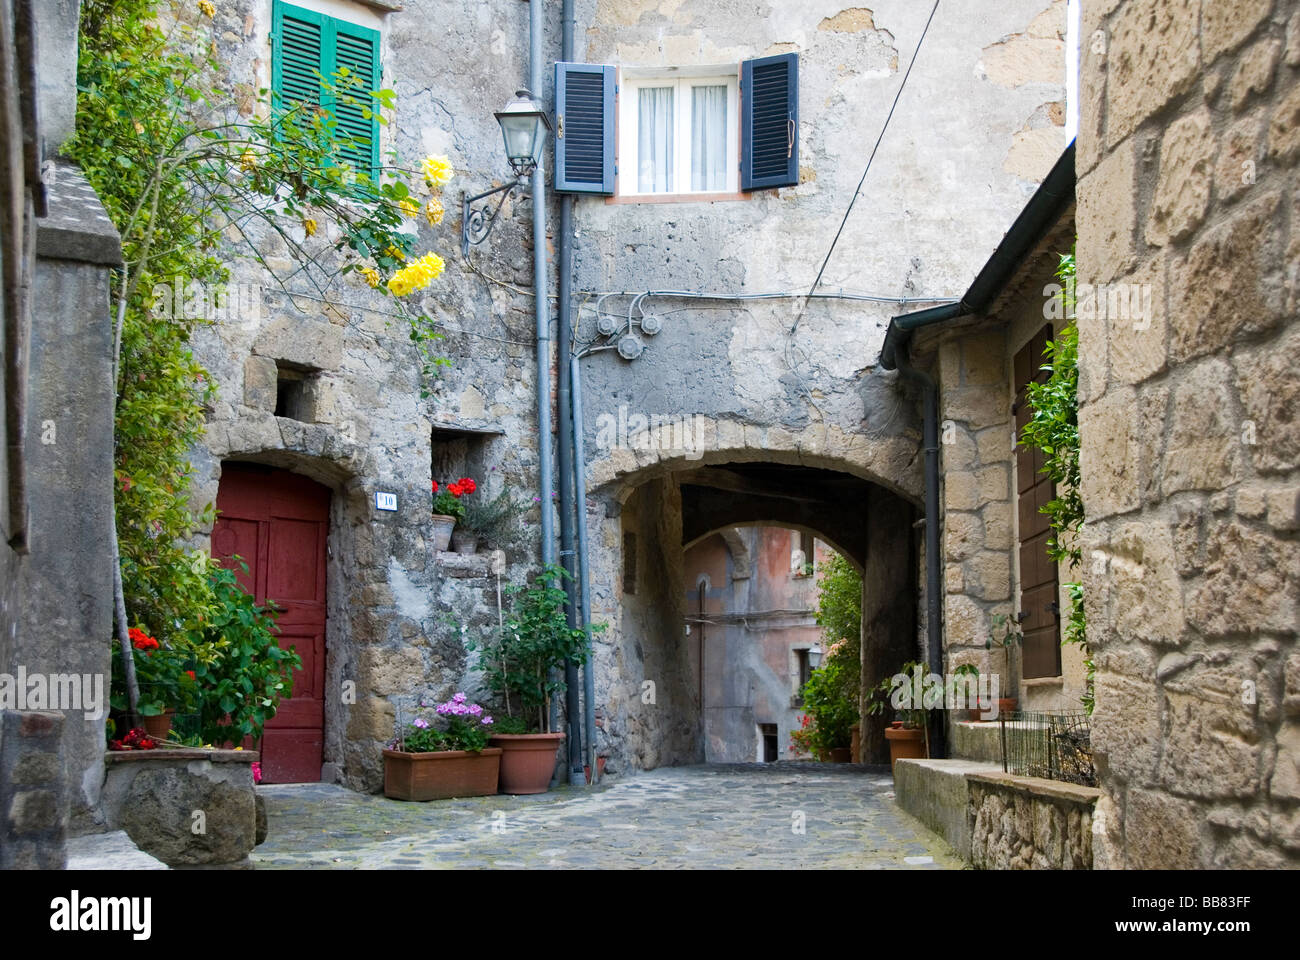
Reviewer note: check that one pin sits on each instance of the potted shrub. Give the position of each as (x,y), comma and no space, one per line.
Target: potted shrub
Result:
(521,664)
(1004,633)
(830,697)
(974,713)
(448,509)
(495,522)
(443,755)
(908,736)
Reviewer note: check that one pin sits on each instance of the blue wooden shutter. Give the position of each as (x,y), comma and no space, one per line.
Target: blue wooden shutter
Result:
(308,43)
(584,134)
(769,129)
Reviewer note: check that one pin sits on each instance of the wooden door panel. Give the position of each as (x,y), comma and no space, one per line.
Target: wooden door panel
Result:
(278,523)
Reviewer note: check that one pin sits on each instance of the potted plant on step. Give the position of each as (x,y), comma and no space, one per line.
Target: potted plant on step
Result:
(909,735)
(523,665)
(1004,633)
(494,522)
(443,754)
(975,713)
(448,508)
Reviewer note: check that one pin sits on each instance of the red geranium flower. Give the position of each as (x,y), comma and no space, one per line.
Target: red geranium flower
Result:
(468,485)
(456,489)
(190,674)
(435,486)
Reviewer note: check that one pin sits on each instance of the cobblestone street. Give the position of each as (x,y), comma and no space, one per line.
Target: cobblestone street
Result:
(745,816)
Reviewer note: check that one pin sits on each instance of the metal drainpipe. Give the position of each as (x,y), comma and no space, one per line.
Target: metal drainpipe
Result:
(933,579)
(584,578)
(541,316)
(563,348)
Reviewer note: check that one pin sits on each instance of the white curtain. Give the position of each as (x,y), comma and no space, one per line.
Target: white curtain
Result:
(655,147)
(709,138)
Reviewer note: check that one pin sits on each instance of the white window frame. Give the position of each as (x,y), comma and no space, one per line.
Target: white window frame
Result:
(681,80)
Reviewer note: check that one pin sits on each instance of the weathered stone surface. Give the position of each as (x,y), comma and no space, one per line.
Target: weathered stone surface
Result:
(161,809)
(1254,72)
(1225,25)
(260,380)
(1228,285)
(1204,448)
(1126,728)
(1163,831)
(1106,217)
(1284,128)
(1109,455)
(1239,157)
(1249,582)
(1154,55)
(1270,396)
(1186,171)
(1137,342)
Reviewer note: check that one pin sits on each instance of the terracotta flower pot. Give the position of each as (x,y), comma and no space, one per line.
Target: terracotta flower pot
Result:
(905,744)
(442,774)
(158,726)
(841,755)
(1007,705)
(464,541)
(528,761)
(442,525)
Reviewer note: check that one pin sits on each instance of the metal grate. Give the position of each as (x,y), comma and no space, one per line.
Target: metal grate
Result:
(1054,746)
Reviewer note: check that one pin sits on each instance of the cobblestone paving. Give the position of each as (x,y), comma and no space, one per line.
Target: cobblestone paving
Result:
(739,816)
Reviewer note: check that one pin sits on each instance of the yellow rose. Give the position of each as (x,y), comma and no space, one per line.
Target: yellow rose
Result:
(409,208)
(433,211)
(310,226)
(417,275)
(207,8)
(372,276)
(437,170)
(248,161)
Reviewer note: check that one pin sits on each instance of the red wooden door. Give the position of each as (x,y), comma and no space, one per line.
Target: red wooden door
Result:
(277,522)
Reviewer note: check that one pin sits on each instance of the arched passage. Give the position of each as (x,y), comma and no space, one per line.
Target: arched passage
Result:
(656,515)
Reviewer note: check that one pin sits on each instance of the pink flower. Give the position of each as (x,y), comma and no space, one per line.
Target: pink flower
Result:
(486,721)
(422,723)
(256,766)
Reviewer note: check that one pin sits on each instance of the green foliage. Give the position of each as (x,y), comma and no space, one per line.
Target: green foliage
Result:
(1053,428)
(454,725)
(831,694)
(880,701)
(839,600)
(241,670)
(499,520)
(832,703)
(518,662)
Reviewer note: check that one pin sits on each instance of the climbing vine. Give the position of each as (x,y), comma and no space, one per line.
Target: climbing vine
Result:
(1053,428)
(193,170)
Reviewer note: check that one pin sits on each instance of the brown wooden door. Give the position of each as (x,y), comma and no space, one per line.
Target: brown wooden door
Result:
(1039,592)
(277,523)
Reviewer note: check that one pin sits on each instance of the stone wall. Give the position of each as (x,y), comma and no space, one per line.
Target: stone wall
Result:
(1190,445)
(33,791)
(1025,823)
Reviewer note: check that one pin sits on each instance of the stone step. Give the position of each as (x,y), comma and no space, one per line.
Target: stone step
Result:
(937,794)
(976,741)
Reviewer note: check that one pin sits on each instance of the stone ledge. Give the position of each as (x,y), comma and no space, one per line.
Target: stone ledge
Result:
(464,566)
(1039,787)
(936,792)
(181,753)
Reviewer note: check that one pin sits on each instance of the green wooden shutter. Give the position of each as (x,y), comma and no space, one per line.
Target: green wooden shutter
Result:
(305,43)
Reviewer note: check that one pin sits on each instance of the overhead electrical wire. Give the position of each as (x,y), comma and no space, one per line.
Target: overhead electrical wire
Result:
(858,192)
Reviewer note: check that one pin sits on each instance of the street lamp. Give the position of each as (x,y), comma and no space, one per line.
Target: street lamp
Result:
(815,656)
(524,128)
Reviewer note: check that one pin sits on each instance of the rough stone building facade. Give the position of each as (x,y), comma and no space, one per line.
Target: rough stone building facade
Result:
(1191,448)
(785,393)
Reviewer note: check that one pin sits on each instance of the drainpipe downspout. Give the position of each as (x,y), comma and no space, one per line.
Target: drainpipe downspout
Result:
(933,577)
(584,574)
(541,317)
(564,347)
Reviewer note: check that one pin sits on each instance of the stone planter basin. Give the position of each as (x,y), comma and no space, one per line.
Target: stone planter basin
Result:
(189,807)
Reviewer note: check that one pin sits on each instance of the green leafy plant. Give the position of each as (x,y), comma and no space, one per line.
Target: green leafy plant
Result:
(454,725)
(498,520)
(521,661)
(832,704)
(880,700)
(447,498)
(241,671)
(1053,428)
(1004,633)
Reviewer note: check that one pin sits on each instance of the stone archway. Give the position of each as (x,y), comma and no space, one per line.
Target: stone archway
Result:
(857,493)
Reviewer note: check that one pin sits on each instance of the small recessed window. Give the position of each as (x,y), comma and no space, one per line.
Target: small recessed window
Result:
(293,392)
(768,733)
(678,135)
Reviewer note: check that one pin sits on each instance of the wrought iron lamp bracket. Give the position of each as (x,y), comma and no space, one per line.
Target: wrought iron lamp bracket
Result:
(477,223)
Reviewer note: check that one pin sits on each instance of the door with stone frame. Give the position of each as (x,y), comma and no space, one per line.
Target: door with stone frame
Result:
(277,523)
(1039,590)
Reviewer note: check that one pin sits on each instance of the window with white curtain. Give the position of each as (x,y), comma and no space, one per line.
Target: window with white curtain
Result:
(678,135)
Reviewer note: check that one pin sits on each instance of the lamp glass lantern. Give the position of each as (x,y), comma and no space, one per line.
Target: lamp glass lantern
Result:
(815,656)
(524,126)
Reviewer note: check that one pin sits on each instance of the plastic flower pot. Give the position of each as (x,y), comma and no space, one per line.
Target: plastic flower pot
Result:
(441,774)
(528,761)
(442,525)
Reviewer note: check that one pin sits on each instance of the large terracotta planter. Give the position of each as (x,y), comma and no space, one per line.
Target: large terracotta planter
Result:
(841,755)
(528,762)
(442,774)
(442,525)
(905,744)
